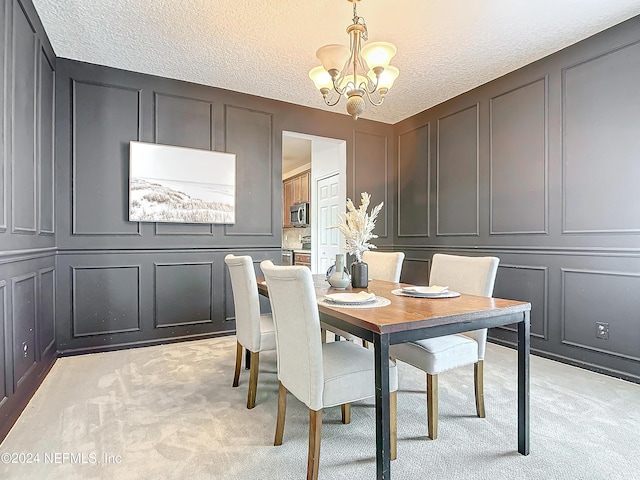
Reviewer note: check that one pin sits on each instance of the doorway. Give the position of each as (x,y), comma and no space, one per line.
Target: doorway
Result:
(328,161)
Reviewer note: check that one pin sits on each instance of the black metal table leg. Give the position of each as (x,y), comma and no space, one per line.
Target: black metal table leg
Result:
(523,384)
(383,428)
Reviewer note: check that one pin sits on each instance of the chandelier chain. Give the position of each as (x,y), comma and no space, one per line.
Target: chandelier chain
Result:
(360,20)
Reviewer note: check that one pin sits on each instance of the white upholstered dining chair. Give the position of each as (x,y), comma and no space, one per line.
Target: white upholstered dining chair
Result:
(254,331)
(320,375)
(385,266)
(472,276)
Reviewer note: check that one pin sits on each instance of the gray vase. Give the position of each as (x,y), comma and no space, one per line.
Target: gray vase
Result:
(359,275)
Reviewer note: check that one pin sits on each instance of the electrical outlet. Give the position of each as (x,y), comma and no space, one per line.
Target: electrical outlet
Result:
(602,330)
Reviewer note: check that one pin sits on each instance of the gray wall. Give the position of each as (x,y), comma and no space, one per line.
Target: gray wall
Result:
(540,168)
(27,226)
(124,283)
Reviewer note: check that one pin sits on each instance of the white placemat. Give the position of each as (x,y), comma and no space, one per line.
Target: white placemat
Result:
(378,302)
(448,294)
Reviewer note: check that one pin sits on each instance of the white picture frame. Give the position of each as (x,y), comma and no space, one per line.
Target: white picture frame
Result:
(181,185)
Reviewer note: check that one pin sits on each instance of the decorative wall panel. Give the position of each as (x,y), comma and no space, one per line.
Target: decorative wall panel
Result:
(416,271)
(183,122)
(526,284)
(249,134)
(4,391)
(105,300)
(106,119)
(46,310)
(23,301)
(183,293)
(457,173)
(370,170)
(5,53)
(592,296)
(414,165)
(519,160)
(601,106)
(45,151)
(23,92)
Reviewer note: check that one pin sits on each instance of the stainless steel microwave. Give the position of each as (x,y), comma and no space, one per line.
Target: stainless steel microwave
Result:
(299,215)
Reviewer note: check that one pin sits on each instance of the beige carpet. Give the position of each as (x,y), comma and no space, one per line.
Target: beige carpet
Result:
(169,412)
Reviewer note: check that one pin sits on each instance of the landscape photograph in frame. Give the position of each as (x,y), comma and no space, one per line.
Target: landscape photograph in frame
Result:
(181,185)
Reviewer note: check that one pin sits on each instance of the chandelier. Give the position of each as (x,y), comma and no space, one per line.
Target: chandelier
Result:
(355,72)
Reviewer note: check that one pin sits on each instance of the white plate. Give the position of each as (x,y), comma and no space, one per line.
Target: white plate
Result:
(351,298)
(432,290)
(445,294)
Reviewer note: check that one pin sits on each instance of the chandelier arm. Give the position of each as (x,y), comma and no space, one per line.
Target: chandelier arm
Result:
(363,86)
(337,89)
(329,104)
(375,104)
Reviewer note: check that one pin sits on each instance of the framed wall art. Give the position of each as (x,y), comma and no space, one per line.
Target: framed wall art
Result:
(181,185)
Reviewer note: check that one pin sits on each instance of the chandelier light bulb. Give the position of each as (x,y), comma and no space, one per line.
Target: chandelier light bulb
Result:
(378,54)
(321,78)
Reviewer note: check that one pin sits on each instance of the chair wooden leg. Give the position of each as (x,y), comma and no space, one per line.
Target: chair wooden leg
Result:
(432,405)
(346,413)
(393,420)
(236,374)
(323,335)
(282,410)
(478,377)
(365,344)
(315,430)
(253,379)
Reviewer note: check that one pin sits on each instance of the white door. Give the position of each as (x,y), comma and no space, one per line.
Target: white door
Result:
(329,239)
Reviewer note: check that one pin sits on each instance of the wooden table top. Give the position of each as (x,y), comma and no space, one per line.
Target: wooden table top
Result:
(409,313)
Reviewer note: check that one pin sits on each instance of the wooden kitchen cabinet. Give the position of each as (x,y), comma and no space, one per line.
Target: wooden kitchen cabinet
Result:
(301,188)
(302,259)
(287,188)
(295,190)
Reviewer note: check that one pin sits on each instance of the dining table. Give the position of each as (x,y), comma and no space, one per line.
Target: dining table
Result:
(402,318)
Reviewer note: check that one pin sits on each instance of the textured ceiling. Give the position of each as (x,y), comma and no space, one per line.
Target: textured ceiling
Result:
(267,47)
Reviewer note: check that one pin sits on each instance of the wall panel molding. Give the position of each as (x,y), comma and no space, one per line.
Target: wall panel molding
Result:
(46,130)
(104,147)
(602,152)
(588,297)
(167,229)
(416,270)
(370,167)
(5,347)
(531,250)
(414,182)
(539,310)
(182,121)
(46,318)
(184,296)
(25,48)
(519,149)
(105,299)
(6,103)
(458,173)
(23,317)
(249,135)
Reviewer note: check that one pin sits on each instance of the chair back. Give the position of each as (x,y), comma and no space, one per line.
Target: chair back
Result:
(245,299)
(297,324)
(469,275)
(385,266)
